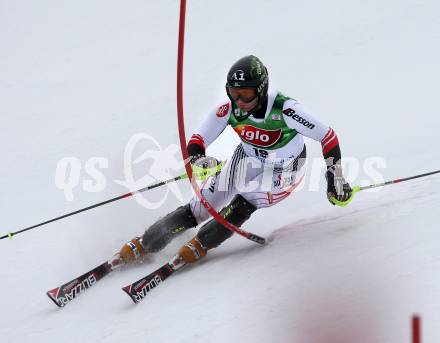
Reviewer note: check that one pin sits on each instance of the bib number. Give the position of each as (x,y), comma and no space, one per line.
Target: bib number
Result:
(260,153)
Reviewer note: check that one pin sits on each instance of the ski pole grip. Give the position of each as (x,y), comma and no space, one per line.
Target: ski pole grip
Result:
(203,173)
(339,203)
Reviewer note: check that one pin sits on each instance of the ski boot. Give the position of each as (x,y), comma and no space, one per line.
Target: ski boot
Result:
(130,252)
(212,233)
(189,253)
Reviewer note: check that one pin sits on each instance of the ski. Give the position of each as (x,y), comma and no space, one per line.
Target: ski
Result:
(139,289)
(63,294)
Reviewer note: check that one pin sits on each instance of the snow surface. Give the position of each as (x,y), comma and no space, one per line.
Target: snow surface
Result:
(80,78)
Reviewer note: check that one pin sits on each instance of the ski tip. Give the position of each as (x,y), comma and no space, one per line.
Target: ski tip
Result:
(127,289)
(52,294)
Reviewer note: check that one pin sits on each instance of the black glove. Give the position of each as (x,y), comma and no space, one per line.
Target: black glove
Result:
(205,162)
(194,158)
(337,187)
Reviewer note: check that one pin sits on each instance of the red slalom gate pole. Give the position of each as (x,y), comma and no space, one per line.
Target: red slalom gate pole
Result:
(180,120)
(416,329)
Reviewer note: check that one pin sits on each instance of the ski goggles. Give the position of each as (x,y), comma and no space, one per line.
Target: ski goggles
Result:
(243,94)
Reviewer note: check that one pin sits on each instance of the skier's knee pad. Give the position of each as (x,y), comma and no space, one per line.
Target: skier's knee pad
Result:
(212,234)
(158,235)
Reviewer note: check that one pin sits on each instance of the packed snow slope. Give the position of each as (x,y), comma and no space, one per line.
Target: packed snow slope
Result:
(79,79)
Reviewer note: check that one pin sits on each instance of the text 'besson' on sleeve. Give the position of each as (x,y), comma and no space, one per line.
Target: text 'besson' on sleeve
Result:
(303,121)
(307,124)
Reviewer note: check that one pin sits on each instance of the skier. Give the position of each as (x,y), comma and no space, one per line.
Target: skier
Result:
(264,169)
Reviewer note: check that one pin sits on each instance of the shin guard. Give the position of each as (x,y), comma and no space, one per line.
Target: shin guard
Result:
(212,234)
(158,235)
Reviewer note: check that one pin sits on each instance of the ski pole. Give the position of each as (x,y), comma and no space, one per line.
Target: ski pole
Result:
(201,174)
(357,189)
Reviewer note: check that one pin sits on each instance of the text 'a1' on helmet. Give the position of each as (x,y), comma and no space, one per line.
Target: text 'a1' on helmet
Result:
(249,72)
